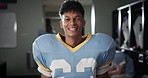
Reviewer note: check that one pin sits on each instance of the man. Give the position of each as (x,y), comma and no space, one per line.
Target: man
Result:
(73,55)
(122,65)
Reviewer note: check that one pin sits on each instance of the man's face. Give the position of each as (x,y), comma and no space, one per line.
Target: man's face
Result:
(72,23)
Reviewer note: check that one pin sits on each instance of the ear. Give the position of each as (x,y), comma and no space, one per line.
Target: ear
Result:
(61,24)
(84,22)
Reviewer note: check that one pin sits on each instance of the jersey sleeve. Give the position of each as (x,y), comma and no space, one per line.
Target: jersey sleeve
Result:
(40,61)
(119,58)
(105,59)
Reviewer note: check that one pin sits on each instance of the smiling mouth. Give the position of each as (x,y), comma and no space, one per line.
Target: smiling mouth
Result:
(73,29)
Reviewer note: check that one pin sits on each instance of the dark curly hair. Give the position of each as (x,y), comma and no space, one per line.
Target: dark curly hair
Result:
(71,6)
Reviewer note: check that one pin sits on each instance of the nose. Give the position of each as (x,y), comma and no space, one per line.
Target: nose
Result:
(73,22)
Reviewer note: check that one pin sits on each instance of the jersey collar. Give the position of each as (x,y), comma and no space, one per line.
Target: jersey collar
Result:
(88,36)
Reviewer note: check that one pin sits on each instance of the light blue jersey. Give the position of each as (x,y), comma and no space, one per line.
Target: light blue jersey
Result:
(56,59)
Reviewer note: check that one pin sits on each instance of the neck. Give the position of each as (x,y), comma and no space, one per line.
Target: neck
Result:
(73,41)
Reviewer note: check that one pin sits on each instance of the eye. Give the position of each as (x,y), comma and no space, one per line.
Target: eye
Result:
(78,19)
(66,19)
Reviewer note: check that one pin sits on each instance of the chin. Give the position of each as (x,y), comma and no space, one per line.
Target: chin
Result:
(75,35)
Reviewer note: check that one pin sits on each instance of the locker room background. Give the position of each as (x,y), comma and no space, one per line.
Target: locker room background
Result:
(130,29)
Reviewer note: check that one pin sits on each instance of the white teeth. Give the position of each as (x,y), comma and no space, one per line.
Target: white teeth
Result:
(72,28)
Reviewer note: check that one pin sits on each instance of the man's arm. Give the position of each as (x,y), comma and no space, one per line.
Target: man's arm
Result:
(118,71)
(43,76)
(105,75)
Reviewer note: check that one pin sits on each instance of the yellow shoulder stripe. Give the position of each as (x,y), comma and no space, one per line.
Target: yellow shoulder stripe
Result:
(105,65)
(45,68)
